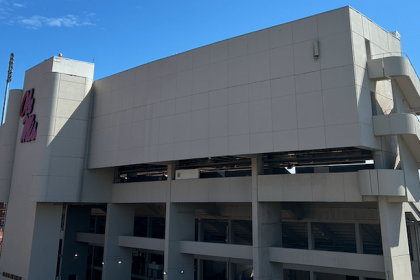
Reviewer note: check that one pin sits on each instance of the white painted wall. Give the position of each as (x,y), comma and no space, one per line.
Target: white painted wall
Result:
(48,169)
(260,92)
(62,108)
(8,133)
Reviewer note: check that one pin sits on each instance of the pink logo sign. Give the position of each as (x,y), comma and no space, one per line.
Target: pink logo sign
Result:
(30,125)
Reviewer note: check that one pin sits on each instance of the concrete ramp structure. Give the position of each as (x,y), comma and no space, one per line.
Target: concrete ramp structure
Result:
(401,70)
(288,153)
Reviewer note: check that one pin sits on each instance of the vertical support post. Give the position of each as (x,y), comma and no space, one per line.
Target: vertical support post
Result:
(230,270)
(149,235)
(200,235)
(117,260)
(266,229)
(359,243)
(230,233)
(359,240)
(46,236)
(394,240)
(311,246)
(180,226)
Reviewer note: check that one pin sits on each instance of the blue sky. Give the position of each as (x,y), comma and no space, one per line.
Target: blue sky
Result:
(123,34)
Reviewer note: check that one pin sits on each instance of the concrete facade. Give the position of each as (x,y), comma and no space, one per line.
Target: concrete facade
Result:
(182,168)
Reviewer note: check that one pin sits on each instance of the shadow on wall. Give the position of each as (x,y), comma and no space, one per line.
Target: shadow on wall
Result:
(66,155)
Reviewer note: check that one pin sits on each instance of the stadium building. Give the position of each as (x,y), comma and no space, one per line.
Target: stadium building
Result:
(287,153)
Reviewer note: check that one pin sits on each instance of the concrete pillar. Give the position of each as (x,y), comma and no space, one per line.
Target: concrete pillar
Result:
(266,229)
(230,267)
(199,267)
(311,243)
(117,260)
(394,240)
(45,240)
(77,220)
(180,226)
(311,246)
(231,271)
(359,243)
(359,240)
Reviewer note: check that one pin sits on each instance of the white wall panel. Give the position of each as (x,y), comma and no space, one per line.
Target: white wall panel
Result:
(266,83)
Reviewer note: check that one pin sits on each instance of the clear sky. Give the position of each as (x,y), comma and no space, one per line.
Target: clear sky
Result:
(119,35)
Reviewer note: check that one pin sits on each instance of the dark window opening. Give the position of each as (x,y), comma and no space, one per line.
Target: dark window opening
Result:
(334,237)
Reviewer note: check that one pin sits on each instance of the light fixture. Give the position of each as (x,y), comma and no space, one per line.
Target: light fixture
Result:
(164,273)
(316,50)
(75,255)
(119,262)
(103,263)
(182,272)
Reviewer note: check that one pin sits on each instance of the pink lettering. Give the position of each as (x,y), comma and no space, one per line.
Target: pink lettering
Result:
(30,127)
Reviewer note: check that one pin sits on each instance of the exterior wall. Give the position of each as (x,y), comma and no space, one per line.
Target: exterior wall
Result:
(49,168)
(334,187)
(62,108)
(381,44)
(260,92)
(97,185)
(8,134)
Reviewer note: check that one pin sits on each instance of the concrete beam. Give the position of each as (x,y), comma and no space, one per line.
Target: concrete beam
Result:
(339,260)
(217,250)
(92,238)
(142,243)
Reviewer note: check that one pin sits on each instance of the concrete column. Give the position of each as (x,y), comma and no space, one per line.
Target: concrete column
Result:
(266,229)
(117,260)
(311,246)
(199,267)
(180,226)
(359,240)
(359,243)
(231,271)
(394,240)
(45,240)
(77,220)
(230,267)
